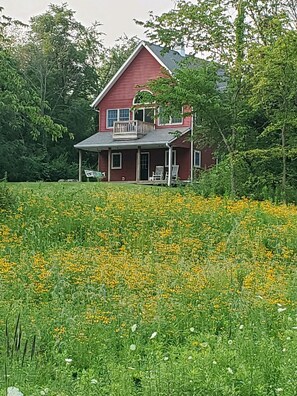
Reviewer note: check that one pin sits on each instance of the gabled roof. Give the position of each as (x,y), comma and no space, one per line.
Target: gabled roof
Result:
(154,139)
(169,60)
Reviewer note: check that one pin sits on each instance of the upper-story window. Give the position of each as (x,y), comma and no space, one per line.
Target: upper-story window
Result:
(117,115)
(143,107)
(165,119)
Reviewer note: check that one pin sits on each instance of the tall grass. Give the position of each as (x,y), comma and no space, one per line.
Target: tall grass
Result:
(126,290)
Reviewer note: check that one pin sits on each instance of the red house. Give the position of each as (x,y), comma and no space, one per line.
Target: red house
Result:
(131,142)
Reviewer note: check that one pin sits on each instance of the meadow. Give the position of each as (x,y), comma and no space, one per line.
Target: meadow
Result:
(117,290)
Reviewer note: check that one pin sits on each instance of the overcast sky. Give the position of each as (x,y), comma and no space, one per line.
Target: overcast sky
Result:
(116,16)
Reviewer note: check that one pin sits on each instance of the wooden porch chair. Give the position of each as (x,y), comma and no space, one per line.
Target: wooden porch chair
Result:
(158,174)
(174,173)
(175,169)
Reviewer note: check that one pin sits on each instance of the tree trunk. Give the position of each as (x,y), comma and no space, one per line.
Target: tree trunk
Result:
(284,172)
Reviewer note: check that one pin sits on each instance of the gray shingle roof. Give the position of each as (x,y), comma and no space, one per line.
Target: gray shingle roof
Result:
(170,58)
(155,139)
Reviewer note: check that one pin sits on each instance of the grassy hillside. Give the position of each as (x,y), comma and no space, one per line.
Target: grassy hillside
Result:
(126,290)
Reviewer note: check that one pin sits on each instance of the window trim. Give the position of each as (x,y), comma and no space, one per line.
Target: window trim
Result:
(195,165)
(170,120)
(112,157)
(143,106)
(143,109)
(118,115)
(167,158)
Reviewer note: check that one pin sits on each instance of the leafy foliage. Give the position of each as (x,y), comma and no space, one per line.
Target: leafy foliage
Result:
(244,98)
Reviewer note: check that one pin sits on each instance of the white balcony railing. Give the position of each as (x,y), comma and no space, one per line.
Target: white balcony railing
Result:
(131,129)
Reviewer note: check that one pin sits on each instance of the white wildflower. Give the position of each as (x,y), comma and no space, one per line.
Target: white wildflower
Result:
(192,329)
(132,347)
(153,335)
(214,362)
(230,342)
(241,327)
(278,390)
(13,391)
(190,357)
(230,371)
(133,328)
(68,360)
(166,358)
(44,391)
(279,310)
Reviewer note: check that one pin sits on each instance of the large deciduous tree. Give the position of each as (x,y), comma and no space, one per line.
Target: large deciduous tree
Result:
(225,32)
(60,61)
(21,116)
(274,90)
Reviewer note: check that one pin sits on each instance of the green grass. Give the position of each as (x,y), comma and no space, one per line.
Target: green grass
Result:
(109,289)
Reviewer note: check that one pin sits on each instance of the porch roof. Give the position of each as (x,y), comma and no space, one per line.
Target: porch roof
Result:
(157,138)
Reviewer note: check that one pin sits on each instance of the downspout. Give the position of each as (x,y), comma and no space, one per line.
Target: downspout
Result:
(192,149)
(169,164)
(109,164)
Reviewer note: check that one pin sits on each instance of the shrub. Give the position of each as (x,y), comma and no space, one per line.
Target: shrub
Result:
(7,197)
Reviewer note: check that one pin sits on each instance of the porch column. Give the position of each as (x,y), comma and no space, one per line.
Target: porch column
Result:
(169,166)
(138,164)
(79,165)
(98,163)
(109,164)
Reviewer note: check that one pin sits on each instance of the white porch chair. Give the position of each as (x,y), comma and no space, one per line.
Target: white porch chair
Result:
(158,174)
(174,173)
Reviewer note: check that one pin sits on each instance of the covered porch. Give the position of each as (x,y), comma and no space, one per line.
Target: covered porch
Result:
(135,160)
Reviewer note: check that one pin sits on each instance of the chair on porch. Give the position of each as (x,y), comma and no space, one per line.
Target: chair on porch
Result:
(175,169)
(158,174)
(174,173)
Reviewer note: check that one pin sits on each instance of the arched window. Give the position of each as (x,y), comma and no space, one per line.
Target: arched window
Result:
(143,107)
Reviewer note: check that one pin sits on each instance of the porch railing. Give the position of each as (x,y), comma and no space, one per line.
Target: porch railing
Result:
(130,129)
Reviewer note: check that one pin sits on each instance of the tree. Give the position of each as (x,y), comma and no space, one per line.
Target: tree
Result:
(113,58)
(60,61)
(207,27)
(21,118)
(274,89)
(225,32)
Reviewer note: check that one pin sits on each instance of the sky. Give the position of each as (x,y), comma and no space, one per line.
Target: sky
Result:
(116,16)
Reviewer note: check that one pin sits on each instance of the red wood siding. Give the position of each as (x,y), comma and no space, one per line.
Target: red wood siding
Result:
(128,171)
(156,157)
(207,159)
(142,69)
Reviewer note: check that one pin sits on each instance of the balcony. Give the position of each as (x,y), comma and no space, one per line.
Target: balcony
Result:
(125,130)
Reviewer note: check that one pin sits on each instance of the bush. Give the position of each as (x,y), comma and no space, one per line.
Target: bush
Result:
(8,199)
(260,181)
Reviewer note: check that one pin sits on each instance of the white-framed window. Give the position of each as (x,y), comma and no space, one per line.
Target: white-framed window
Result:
(167,157)
(143,107)
(113,115)
(197,159)
(165,119)
(116,160)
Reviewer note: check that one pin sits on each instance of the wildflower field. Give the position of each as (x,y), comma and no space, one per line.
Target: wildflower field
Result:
(126,290)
